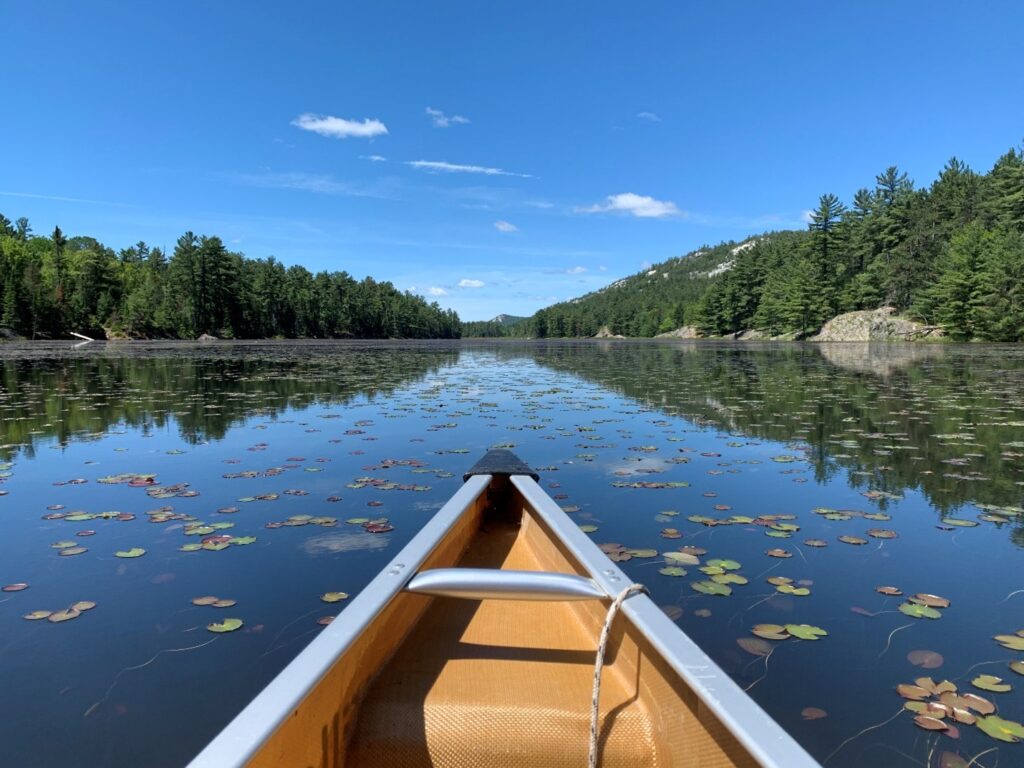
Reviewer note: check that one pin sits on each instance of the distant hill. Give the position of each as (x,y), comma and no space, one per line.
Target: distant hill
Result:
(949,256)
(502,325)
(655,300)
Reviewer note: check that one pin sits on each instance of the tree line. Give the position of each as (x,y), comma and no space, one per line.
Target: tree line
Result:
(50,286)
(950,254)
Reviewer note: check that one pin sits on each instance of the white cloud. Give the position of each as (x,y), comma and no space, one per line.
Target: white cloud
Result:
(374,158)
(603,268)
(641,206)
(505,226)
(648,116)
(807,216)
(575,270)
(339,127)
(467,283)
(441,165)
(441,120)
(436,291)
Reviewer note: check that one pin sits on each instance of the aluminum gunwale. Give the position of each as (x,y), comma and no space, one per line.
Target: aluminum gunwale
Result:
(765,739)
(241,739)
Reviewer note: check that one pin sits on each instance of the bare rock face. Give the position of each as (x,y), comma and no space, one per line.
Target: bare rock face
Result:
(207,337)
(606,333)
(881,324)
(685,332)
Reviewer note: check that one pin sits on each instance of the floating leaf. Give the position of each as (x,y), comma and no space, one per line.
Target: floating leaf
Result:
(1017,666)
(334,597)
(71,551)
(36,615)
(681,558)
(805,631)
(241,541)
(65,615)
(1013,642)
(15,587)
(228,625)
(916,611)
(711,588)
(930,723)
(728,565)
(206,600)
(781,553)
(770,631)
(854,540)
(84,605)
(932,601)
(891,591)
(925,659)
(754,646)
(991,683)
(1000,729)
(813,713)
(912,692)
(133,552)
(325,620)
(672,570)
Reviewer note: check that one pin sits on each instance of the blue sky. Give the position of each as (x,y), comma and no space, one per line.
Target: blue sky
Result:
(493,156)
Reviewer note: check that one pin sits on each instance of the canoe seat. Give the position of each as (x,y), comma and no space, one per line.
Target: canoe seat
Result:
(499,684)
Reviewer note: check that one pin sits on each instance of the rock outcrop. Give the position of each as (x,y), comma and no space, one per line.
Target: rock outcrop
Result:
(881,324)
(606,333)
(686,332)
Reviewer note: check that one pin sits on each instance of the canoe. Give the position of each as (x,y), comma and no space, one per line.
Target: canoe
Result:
(476,646)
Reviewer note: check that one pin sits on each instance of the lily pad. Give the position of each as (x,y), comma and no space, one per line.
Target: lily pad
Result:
(770,631)
(71,551)
(711,588)
(916,611)
(805,631)
(133,552)
(991,683)
(334,597)
(36,615)
(1000,729)
(228,625)
(1013,642)
(65,615)
(672,570)
(205,600)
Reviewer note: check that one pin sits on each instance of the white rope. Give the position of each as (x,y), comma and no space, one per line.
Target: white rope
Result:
(602,646)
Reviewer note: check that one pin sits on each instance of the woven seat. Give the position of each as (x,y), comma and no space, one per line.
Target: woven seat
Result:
(498,683)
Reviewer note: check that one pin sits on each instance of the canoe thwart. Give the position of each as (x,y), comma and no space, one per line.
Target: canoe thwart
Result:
(494,584)
(500,461)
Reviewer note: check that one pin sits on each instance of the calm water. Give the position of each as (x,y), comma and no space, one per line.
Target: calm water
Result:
(921,445)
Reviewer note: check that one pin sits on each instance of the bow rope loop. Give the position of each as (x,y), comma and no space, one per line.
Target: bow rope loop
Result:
(602,646)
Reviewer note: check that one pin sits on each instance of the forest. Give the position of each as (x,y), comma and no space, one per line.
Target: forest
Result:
(950,254)
(50,286)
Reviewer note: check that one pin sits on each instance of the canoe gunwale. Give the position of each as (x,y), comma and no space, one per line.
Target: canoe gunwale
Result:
(764,739)
(243,737)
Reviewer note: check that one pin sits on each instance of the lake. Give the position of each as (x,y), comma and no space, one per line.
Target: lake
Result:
(808,476)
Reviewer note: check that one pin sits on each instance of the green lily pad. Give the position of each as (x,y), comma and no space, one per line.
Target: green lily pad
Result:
(228,625)
(915,611)
(711,588)
(243,540)
(633,552)
(728,565)
(991,683)
(37,615)
(65,615)
(805,631)
(789,589)
(71,551)
(1002,730)
(592,529)
(672,570)
(133,552)
(770,631)
(729,578)
(1017,666)
(334,597)
(191,547)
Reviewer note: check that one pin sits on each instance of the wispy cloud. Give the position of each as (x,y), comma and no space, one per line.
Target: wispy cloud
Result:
(62,199)
(575,270)
(306,182)
(648,116)
(505,226)
(437,291)
(641,206)
(374,158)
(807,216)
(441,120)
(468,283)
(339,127)
(446,167)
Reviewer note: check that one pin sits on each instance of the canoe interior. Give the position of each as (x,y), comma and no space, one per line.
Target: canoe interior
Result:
(450,683)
